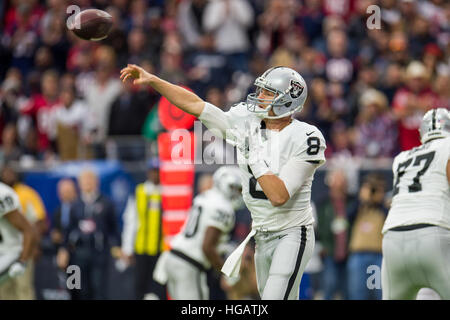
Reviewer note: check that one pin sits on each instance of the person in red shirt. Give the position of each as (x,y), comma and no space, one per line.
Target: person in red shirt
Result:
(40,105)
(411,102)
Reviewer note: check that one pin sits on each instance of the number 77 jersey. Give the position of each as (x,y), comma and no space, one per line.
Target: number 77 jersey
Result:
(421,191)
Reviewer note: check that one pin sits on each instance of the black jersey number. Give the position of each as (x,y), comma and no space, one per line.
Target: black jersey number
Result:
(313,146)
(416,186)
(256,194)
(192,224)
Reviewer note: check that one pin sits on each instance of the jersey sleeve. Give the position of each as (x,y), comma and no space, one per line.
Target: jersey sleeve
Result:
(215,120)
(221,219)
(313,147)
(295,173)
(447,142)
(9,201)
(222,124)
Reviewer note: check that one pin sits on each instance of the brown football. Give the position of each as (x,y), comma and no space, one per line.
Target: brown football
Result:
(91,24)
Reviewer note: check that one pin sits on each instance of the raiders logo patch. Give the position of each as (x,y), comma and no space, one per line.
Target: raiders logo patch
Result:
(296,89)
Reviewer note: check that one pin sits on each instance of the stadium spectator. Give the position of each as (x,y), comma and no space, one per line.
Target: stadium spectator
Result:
(419,37)
(92,234)
(10,98)
(366,79)
(340,141)
(441,85)
(171,59)
(411,102)
(375,133)
(9,150)
(100,94)
(117,37)
(137,15)
(67,195)
(338,68)
(274,22)
(39,109)
(391,81)
(21,33)
(129,110)
(142,236)
(43,61)
(53,34)
(229,21)
(138,48)
(366,217)
(191,26)
(333,234)
(72,124)
(321,111)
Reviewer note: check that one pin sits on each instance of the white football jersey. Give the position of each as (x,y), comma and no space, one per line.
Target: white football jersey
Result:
(10,237)
(421,192)
(297,140)
(210,208)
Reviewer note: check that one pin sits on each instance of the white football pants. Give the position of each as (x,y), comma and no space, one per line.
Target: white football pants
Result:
(185,281)
(280,259)
(416,259)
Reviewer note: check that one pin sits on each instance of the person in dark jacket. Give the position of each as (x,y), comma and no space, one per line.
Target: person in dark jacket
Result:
(333,234)
(93,232)
(67,194)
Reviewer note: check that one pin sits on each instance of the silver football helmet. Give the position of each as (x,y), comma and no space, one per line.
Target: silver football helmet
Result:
(435,124)
(227,179)
(290,93)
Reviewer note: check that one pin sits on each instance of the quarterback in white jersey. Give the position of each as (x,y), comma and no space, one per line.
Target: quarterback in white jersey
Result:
(416,242)
(278,156)
(199,245)
(15,235)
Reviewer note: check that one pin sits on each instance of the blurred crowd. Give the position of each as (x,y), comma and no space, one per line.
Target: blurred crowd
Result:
(61,98)
(368,89)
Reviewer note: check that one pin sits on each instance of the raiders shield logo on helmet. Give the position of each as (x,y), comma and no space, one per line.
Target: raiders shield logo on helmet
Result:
(296,89)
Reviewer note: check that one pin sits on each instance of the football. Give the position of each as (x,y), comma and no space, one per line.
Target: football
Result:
(91,24)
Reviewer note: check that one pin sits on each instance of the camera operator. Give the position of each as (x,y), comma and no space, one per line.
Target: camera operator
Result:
(367,218)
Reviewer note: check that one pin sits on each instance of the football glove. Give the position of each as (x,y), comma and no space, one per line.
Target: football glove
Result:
(256,151)
(17,269)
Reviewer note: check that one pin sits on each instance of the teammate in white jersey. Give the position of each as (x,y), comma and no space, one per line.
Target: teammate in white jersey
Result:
(416,241)
(200,243)
(280,155)
(16,235)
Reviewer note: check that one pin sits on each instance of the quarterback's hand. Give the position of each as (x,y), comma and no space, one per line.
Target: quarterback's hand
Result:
(256,150)
(16,269)
(137,73)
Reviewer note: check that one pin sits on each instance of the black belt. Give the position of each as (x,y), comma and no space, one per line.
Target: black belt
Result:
(195,263)
(412,227)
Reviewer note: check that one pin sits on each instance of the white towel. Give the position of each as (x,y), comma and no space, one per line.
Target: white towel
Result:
(232,265)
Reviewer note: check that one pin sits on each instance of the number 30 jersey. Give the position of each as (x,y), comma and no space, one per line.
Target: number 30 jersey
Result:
(297,141)
(421,192)
(210,208)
